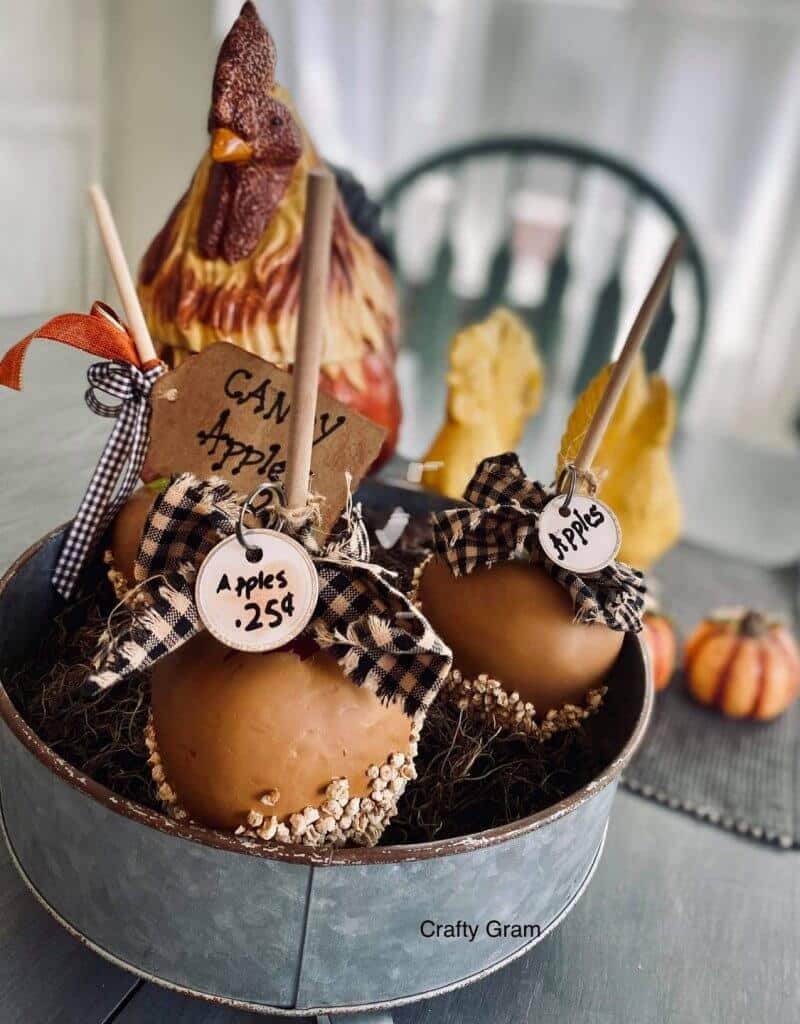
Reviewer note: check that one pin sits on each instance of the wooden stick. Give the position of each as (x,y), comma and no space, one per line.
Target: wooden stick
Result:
(624,364)
(314,265)
(122,275)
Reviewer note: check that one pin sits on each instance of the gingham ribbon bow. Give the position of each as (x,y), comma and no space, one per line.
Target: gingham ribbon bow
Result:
(503,524)
(124,453)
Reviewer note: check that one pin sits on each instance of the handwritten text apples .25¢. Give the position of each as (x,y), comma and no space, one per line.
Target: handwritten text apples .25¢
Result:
(260,604)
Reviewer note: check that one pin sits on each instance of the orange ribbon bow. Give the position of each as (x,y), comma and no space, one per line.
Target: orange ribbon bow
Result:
(99,333)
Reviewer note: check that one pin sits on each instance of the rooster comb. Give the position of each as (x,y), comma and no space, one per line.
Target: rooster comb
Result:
(247,57)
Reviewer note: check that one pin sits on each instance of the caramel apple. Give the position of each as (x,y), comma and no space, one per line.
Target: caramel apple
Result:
(260,739)
(126,531)
(515,624)
(283,745)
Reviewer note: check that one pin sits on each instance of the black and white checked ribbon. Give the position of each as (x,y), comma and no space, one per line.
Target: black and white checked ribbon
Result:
(124,453)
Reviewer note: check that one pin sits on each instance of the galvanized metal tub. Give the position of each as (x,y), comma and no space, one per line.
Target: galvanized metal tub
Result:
(285,931)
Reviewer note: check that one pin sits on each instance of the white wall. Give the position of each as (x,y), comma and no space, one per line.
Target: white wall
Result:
(51,100)
(160,58)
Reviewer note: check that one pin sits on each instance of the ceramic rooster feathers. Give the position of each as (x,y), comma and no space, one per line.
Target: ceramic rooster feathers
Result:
(226,265)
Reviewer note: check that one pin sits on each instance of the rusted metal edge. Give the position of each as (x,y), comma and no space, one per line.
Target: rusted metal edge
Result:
(297,1011)
(308,857)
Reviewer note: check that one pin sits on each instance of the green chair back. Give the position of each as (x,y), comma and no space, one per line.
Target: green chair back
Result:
(433,311)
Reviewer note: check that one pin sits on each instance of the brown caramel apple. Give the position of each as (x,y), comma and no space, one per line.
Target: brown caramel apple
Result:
(515,624)
(126,533)
(231,728)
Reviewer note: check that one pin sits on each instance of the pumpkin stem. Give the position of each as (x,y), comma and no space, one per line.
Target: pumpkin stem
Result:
(753,623)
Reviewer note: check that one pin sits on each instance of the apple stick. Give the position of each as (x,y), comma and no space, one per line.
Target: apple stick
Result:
(624,364)
(122,275)
(314,265)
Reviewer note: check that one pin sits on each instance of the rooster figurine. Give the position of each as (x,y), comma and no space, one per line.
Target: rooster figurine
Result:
(226,265)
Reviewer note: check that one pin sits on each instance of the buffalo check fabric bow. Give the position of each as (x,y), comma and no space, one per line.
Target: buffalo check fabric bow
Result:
(503,525)
(375,633)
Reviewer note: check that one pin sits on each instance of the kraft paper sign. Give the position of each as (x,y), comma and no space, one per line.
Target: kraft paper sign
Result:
(225,412)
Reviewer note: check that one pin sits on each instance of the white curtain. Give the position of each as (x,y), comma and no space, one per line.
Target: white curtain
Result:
(51,112)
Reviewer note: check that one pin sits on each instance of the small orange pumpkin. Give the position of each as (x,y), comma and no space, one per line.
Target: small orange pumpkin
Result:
(743,662)
(659,635)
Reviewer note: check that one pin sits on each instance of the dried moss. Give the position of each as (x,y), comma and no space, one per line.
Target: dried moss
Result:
(470,778)
(103,736)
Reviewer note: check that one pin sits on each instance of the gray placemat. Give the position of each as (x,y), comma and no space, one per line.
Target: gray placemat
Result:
(744,776)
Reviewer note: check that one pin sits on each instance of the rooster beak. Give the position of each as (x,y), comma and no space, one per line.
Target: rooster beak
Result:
(228,148)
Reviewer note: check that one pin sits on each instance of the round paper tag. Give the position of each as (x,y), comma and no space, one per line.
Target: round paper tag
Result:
(258,605)
(583,541)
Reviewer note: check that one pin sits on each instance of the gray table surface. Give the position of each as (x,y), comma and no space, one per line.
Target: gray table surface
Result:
(683,922)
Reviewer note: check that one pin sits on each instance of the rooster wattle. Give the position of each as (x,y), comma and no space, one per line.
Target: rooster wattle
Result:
(226,265)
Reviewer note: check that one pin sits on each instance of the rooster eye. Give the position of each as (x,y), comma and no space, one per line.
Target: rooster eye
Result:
(276,121)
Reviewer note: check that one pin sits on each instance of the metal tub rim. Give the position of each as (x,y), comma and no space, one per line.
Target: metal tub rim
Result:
(303,855)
